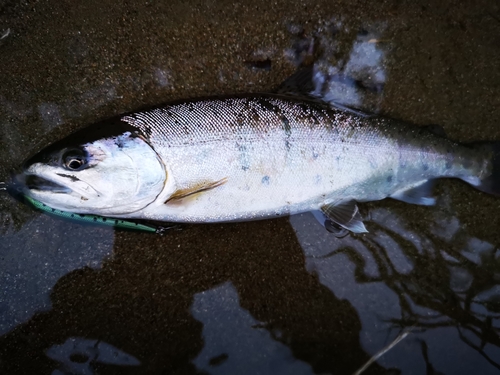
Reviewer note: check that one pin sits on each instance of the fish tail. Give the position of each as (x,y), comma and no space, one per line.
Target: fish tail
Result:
(487,178)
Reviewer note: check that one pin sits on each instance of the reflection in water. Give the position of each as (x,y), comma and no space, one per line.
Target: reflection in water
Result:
(258,305)
(151,298)
(78,356)
(348,68)
(441,283)
(356,82)
(226,323)
(35,257)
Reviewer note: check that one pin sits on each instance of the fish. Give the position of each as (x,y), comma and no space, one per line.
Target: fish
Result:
(250,157)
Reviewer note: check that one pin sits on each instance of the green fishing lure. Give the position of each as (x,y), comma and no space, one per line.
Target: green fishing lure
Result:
(94,219)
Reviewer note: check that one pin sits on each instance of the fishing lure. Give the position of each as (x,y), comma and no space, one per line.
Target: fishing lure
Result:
(95,219)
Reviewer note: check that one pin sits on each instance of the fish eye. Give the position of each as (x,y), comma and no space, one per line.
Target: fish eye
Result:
(74,159)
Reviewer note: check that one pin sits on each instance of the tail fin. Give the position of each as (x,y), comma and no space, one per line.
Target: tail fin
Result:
(490,180)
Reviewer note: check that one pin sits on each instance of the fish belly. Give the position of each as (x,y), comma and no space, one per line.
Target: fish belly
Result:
(275,176)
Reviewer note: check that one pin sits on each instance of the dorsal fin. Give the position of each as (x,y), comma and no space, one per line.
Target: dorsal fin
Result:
(435,129)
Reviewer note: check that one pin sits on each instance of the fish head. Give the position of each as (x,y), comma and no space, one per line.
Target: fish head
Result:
(108,168)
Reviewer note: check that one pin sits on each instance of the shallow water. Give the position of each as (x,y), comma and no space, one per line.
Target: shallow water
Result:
(272,297)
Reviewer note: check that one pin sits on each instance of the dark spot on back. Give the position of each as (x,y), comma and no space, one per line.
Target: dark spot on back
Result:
(265,180)
(286,126)
(240,147)
(303,107)
(147,131)
(390,178)
(425,166)
(266,105)
(255,115)
(240,119)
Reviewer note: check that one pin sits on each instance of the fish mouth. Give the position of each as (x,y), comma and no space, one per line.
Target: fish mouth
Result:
(33,182)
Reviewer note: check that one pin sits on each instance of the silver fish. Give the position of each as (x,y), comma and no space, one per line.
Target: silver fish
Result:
(249,157)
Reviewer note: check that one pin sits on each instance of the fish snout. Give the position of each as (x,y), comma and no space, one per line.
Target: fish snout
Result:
(20,182)
(16,184)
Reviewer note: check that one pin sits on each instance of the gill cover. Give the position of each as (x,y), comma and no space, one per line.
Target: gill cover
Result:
(108,168)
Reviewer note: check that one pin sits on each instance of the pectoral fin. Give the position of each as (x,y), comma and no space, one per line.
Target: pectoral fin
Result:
(346,214)
(194,190)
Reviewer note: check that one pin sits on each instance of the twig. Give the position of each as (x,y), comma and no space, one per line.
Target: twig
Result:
(400,337)
(5,34)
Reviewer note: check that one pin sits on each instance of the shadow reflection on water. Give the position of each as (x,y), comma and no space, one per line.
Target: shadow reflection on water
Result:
(141,302)
(439,282)
(180,303)
(36,256)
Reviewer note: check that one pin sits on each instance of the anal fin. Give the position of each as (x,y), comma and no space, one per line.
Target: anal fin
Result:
(346,214)
(419,194)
